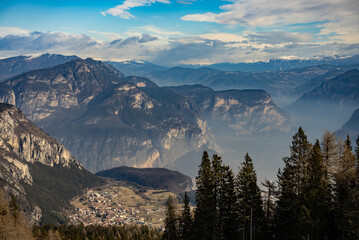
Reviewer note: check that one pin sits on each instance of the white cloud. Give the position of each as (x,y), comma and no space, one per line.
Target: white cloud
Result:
(122,10)
(341,16)
(162,32)
(12,30)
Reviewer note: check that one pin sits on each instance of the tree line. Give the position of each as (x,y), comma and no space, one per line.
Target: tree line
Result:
(315,197)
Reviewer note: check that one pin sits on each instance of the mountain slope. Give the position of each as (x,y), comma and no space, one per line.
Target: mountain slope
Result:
(10,67)
(351,127)
(339,95)
(158,178)
(38,170)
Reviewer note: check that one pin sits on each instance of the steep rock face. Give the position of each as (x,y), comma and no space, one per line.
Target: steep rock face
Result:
(242,111)
(132,126)
(10,67)
(25,148)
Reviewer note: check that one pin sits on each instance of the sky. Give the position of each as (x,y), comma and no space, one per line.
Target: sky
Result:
(175,32)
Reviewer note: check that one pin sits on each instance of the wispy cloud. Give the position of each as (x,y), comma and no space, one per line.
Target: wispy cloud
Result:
(155,30)
(12,30)
(341,17)
(122,10)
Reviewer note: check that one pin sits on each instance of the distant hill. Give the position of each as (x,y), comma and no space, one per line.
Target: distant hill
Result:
(157,178)
(351,127)
(37,169)
(13,66)
(339,95)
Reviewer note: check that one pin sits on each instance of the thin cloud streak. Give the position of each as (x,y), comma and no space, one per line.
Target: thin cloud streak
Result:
(122,10)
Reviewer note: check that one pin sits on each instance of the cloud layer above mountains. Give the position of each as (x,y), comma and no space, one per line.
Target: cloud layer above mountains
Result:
(172,32)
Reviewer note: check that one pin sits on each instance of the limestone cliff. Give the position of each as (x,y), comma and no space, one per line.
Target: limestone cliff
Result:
(25,152)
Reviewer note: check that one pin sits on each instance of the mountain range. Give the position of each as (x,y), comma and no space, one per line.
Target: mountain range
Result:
(108,120)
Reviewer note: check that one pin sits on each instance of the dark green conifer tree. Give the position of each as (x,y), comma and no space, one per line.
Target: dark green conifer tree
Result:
(249,202)
(269,207)
(186,220)
(171,221)
(292,217)
(204,225)
(228,206)
(317,197)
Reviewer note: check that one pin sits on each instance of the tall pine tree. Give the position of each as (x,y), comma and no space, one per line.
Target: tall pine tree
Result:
(171,221)
(204,225)
(317,197)
(250,202)
(228,206)
(292,216)
(186,220)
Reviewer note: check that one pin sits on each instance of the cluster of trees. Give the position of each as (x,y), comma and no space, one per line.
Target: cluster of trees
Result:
(95,232)
(316,197)
(12,224)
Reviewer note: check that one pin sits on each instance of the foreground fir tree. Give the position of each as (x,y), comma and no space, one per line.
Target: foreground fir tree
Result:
(269,207)
(228,206)
(292,217)
(317,197)
(250,202)
(186,220)
(171,221)
(204,225)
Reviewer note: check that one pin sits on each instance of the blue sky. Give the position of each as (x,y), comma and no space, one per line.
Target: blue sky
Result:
(172,32)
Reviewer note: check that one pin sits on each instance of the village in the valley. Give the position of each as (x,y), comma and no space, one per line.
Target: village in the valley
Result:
(119,205)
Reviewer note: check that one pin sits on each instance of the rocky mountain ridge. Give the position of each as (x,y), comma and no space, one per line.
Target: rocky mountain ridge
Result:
(108,120)
(11,67)
(27,155)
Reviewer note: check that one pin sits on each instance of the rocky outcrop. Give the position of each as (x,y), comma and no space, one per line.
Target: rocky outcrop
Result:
(23,146)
